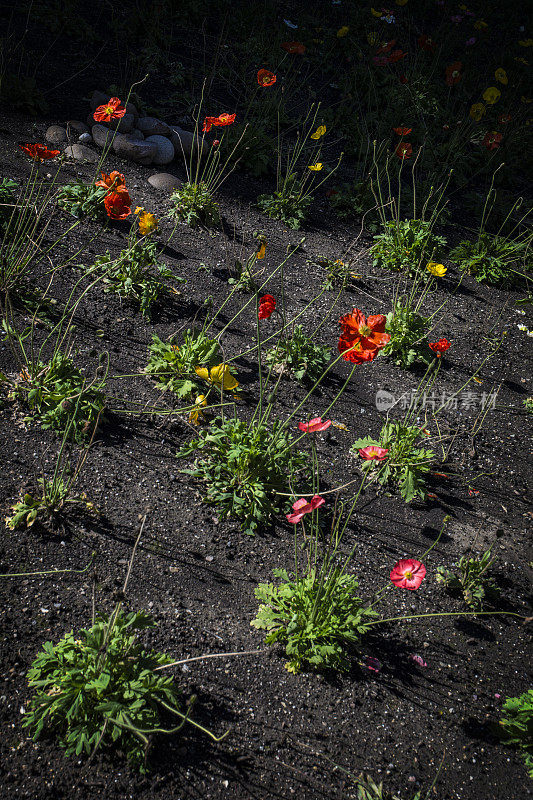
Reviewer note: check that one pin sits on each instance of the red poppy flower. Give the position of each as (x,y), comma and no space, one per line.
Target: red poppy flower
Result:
(385,47)
(314,425)
(267,305)
(39,152)
(373,453)
(381,61)
(118,205)
(302,507)
(440,347)
(295,48)
(396,55)
(492,140)
(113,109)
(404,150)
(361,338)
(408,573)
(402,131)
(426,43)
(403,79)
(503,119)
(115,180)
(219,122)
(266,78)
(453,73)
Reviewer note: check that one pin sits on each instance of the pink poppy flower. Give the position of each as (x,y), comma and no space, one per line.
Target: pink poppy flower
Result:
(302,507)
(408,573)
(314,425)
(418,660)
(373,453)
(372,664)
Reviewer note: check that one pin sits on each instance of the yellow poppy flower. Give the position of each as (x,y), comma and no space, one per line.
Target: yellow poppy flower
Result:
(372,38)
(401,2)
(320,131)
(139,209)
(480,25)
(526,99)
(526,42)
(261,252)
(147,223)
(341,33)
(437,270)
(196,413)
(522,60)
(476,111)
(219,376)
(376,13)
(315,167)
(491,95)
(501,76)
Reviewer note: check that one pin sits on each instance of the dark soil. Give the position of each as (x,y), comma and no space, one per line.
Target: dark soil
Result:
(307,735)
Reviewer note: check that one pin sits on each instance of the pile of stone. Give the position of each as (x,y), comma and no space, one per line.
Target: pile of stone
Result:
(145,140)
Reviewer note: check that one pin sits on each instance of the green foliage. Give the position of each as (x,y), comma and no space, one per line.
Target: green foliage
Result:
(316,620)
(517,725)
(337,272)
(288,205)
(299,357)
(243,466)
(100,689)
(253,149)
(8,189)
(406,465)
(173,366)
(491,259)
(408,331)
(528,404)
(82,200)
(21,93)
(58,396)
(53,496)
(193,203)
(354,200)
(468,578)
(405,245)
(129,275)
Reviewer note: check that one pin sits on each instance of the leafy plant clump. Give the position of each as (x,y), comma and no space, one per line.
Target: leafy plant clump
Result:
(8,197)
(405,244)
(491,259)
(468,578)
(299,357)
(406,465)
(193,203)
(408,331)
(356,200)
(243,466)
(52,497)
(517,726)
(317,621)
(101,689)
(173,366)
(82,200)
(130,277)
(287,205)
(59,397)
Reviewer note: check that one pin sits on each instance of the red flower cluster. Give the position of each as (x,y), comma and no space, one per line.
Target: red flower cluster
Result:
(39,152)
(117,202)
(440,347)
(361,338)
(267,306)
(113,109)
(266,78)
(295,48)
(218,122)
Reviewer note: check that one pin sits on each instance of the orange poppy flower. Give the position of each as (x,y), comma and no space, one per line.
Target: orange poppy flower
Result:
(361,338)
(39,152)
(492,140)
(219,122)
(118,205)
(402,131)
(453,73)
(404,150)
(294,48)
(113,109)
(440,347)
(266,78)
(115,180)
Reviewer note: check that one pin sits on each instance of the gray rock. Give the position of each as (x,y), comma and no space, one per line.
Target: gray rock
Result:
(151,126)
(55,134)
(137,134)
(123,124)
(165,181)
(127,146)
(184,141)
(102,136)
(165,150)
(81,153)
(74,126)
(85,138)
